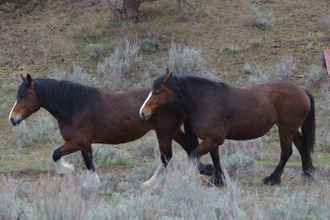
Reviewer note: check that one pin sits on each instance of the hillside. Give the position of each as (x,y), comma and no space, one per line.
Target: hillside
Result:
(239,42)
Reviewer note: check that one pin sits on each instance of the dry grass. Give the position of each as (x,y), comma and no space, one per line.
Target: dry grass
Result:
(179,193)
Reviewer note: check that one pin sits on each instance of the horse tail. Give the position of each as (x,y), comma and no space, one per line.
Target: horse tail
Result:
(308,127)
(191,138)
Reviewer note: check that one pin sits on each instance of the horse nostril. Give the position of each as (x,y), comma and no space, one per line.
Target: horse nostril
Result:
(13,121)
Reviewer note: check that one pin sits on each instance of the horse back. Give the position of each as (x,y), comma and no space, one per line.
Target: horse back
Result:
(289,100)
(252,111)
(112,118)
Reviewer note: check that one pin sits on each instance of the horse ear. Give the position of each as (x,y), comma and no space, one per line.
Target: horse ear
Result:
(29,79)
(168,76)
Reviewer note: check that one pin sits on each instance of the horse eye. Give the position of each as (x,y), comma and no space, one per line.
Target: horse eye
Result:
(157,92)
(20,97)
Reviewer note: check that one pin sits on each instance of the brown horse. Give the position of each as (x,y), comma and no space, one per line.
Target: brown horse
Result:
(216,111)
(88,115)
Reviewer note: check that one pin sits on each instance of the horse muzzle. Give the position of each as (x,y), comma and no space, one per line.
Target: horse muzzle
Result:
(145,116)
(15,121)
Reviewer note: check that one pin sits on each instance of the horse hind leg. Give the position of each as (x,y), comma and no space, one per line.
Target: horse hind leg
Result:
(189,142)
(61,166)
(218,174)
(92,180)
(87,154)
(306,159)
(210,146)
(286,139)
(165,147)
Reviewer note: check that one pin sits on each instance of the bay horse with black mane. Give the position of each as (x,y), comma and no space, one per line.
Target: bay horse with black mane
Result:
(216,111)
(89,115)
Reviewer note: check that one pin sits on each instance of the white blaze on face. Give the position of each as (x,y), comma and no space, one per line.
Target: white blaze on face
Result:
(11,111)
(144,104)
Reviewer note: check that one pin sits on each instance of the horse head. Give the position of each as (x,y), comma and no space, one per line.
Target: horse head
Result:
(26,101)
(160,95)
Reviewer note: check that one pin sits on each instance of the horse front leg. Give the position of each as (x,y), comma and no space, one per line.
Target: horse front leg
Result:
(210,146)
(87,154)
(189,144)
(63,167)
(165,148)
(93,180)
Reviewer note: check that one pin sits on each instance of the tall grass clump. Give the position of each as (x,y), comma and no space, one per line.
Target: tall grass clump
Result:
(53,198)
(255,74)
(77,75)
(241,156)
(323,132)
(11,206)
(299,204)
(184,60)
(116,69)
(263,19)
(180,194)
(316,77)
(284,69)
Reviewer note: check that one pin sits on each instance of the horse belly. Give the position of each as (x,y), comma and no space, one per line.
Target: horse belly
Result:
(121,133)
(251,129)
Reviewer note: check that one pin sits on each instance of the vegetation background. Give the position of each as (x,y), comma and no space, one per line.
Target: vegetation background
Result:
(239,42)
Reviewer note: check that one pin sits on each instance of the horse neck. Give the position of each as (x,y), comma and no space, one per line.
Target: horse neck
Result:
(186,101)
(61,101)
(194,91)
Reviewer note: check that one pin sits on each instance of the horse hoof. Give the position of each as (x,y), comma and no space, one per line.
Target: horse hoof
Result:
(218,182)
(63,167)
(308,177)
(271,181)
(206,169)
(149,185)
(146,185)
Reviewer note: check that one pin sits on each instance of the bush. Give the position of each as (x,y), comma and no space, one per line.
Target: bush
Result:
(116,69)
(10,205)
(316,76)
(77,75)
(179,194)
(37,128)
(240,156)
(183,60)
(262,19)
(299,205)
(282,70)
(285,68)
(323,134)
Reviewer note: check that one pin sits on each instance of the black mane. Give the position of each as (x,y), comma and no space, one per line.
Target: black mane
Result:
(186,88)
(63,99)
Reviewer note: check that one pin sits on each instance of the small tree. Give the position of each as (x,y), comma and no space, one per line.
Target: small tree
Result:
(130,8)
